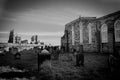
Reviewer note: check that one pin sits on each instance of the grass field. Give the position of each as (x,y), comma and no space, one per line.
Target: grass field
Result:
(95,68)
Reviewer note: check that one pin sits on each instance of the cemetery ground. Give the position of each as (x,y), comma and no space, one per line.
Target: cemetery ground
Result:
(95,67)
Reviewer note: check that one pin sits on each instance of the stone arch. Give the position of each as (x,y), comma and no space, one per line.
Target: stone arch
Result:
(104,33)
(117,30)
(98,24)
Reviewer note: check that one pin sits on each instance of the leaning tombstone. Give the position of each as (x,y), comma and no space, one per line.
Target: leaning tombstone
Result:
(81,55)
(17,56)
(44,59)
(16,53)
(10,50)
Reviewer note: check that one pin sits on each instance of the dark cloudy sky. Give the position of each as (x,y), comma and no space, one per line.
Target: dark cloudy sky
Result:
(47,18)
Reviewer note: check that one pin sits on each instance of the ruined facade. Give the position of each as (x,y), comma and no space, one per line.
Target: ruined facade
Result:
(34,39)
(11,37)
(94,34)
(17,39)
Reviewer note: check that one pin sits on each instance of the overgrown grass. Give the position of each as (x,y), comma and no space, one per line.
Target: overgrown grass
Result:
(63,68)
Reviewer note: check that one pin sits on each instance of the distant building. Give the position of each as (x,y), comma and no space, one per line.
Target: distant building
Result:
(11,36)
(17,39)
(24,42)
(34,39)
(42,43)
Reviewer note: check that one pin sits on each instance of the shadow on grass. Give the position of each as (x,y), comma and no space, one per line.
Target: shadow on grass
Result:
(10,75)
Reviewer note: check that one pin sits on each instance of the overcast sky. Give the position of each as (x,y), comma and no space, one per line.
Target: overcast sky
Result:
(47,18)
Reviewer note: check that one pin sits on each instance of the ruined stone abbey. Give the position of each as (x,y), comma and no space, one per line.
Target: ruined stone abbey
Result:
(93,34)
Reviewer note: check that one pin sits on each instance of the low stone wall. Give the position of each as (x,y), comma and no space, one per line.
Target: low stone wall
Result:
(90,48)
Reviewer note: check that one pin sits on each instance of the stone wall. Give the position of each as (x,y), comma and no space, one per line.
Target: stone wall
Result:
(109,20)
(76,25)
(87,32)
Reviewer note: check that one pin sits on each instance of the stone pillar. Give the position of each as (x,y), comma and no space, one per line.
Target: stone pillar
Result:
(111,36)
(98,37)
(67,40)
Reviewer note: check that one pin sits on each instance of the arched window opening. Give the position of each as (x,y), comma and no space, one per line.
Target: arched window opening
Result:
(81,32)
(90,32)
(117,31)
(104,33)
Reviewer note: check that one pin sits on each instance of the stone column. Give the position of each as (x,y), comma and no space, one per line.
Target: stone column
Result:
(67,40)
(98,37)
(111,36)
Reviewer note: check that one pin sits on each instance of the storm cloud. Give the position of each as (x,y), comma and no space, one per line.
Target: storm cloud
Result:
(49,16)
